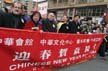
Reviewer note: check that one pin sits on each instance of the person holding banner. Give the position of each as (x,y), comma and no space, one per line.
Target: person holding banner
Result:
(49,24)
(14,19)
(75,25)
(34,23)
(103,50)
(64,28)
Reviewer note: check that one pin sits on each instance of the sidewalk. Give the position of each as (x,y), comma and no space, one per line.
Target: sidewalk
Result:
(96,64)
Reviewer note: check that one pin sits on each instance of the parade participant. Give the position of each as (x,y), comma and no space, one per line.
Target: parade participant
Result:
(87,27)
(14,19)
(34,23)
(103,48)
(64,27)
(75,25)
(49,24)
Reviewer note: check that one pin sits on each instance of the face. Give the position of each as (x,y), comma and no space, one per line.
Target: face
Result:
(36,17)
(64,19)
(17,9)
(107,25)
(77,18)
(24,11)
(9,9)
(51,17)
(89,21)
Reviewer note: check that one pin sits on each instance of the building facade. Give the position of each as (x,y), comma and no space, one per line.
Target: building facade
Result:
(93,8)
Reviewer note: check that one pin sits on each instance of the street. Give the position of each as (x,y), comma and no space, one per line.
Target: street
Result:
(96,64)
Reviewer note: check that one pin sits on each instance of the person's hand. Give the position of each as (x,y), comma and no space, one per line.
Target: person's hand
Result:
(78,32)
(35,28)
(41,31)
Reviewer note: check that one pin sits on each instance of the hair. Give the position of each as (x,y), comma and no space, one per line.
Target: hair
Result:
(6,10)
(88,18)
(66,17)
(24,7)
(76,16)
(36,12)
(17,3)
(51,13)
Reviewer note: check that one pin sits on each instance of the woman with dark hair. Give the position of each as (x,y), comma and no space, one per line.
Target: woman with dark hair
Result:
(64,28)
(34,23)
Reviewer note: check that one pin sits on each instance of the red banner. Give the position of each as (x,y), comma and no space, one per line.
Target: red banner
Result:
(22,50)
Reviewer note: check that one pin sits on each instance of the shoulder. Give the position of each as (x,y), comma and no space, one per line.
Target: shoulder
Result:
(29,21)
(26,17)
(44,19)
(71,22)
(59,23)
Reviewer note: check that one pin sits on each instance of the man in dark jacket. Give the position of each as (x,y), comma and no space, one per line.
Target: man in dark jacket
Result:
(49,24)
(75,25)
(14,19)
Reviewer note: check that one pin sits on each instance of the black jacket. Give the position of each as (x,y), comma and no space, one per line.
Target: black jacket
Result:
(74,27)
(49,26)
(13,21)
(64,28)
(1,17)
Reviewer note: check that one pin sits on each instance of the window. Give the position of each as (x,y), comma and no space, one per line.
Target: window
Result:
(100,0)
(60,1)
(91,11)
(82,1)
(54,1)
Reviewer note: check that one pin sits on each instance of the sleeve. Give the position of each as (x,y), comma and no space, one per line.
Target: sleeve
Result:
(44,26)
(62,29)
(2,20)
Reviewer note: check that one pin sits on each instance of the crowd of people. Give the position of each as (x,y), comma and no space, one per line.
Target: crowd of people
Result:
(16,17)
